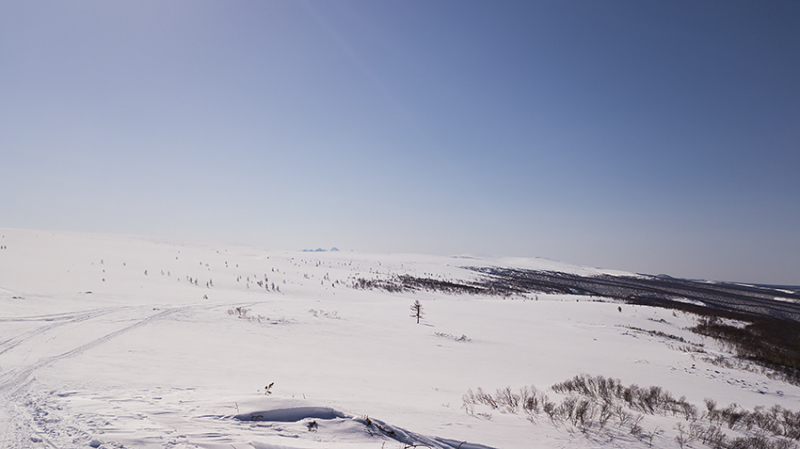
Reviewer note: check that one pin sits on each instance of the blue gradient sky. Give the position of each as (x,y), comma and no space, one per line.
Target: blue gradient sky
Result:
(657,137)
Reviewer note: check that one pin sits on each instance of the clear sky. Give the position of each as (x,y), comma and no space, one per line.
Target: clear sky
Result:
(656,137)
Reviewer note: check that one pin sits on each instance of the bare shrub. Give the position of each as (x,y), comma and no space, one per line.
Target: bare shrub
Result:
(592,402)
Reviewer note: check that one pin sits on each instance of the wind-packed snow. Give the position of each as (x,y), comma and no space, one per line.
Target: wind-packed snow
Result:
(113,341)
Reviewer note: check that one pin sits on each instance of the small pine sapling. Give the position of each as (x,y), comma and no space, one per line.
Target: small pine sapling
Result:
(416,310)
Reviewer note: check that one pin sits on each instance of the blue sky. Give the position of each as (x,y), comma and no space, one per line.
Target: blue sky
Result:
(657,137)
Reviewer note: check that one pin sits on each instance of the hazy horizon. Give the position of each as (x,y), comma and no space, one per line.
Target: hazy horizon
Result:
(646,137)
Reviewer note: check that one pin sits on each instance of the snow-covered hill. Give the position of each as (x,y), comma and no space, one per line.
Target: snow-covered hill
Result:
(114,341)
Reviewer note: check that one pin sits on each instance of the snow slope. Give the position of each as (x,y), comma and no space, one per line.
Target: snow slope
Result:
(115,341)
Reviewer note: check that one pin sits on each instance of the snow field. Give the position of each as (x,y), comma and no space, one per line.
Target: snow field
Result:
(152,360)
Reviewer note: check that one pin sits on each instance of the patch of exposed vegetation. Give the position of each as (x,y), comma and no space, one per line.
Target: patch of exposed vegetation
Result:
(334,315)
(604,407)
(771,343)
(408,283)
(462,338)
(244,314)
(770,336)
(657,334)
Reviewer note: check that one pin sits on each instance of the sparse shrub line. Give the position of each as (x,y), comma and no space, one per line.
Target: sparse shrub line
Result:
(594,403)
(657,334)
(244,314)
(462,338)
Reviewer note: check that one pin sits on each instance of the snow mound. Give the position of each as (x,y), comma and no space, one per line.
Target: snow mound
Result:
(294,414)
(320,420)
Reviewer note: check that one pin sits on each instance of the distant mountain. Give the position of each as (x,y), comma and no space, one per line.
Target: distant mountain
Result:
(320,250)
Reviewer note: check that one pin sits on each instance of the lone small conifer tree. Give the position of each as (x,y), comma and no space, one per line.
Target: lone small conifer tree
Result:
(416,310)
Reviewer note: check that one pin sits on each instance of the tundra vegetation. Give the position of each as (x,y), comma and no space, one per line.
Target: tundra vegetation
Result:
(604,408)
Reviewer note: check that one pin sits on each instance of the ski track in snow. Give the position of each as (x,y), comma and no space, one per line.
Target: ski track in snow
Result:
(60,320)
(14,380)
(18,377)
(40,425)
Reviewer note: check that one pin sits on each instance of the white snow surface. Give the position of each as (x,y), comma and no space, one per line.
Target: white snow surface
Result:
(105,343)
